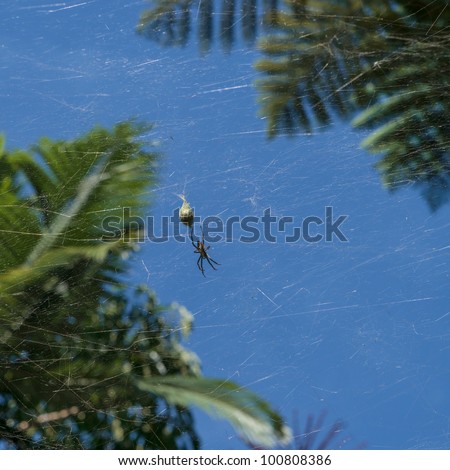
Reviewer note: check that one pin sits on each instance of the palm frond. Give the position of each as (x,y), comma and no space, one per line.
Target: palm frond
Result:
(69,384)
(169,22)
(51,211)
(316,435)
(252,417)
(80,351)
(329,57)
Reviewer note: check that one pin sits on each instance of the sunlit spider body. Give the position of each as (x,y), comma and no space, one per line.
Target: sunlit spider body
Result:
(201,249)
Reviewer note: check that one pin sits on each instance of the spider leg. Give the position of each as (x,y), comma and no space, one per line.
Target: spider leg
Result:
(215,262)
(191,233)
(200,265)
(209,261)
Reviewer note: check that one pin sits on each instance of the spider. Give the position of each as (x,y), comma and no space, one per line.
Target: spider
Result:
(201,249)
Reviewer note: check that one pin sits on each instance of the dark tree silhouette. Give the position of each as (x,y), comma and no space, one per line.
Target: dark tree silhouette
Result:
(167,22)
(315,435)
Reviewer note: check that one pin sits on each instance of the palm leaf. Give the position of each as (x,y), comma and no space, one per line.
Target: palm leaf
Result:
(86,364)
(70,333)
(168,22)
(74,341)
(326,57)
(52,208)
(252,417)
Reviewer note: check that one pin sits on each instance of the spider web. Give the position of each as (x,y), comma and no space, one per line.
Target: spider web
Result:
(357,328)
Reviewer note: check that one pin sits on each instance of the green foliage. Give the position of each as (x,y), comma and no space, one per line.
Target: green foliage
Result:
(71,384)
(250,415)
(388,60)
(72,337)
(76,345)
(52,207)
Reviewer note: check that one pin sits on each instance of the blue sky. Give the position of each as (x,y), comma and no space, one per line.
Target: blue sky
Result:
(359,329)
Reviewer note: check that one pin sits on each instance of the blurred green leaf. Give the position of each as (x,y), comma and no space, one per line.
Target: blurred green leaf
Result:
(252,417)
